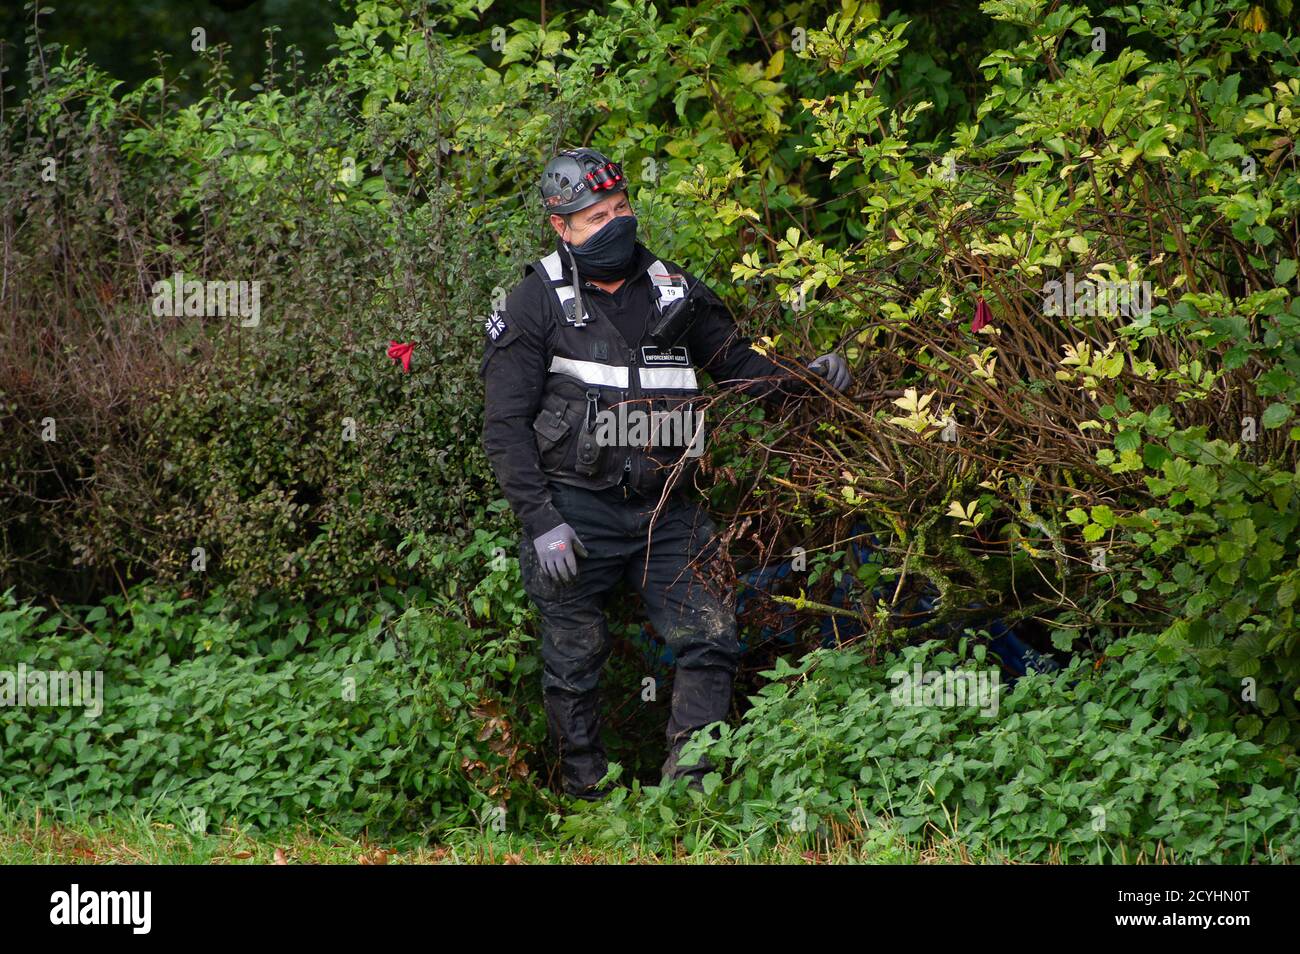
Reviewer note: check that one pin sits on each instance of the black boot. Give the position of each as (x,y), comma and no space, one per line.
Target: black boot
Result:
(574,724)
(700,697)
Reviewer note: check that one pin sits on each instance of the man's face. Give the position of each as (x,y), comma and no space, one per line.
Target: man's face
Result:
(585,223)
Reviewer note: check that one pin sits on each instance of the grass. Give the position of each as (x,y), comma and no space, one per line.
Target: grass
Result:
(38,839)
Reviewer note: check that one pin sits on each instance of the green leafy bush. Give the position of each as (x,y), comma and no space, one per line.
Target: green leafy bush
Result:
(399,712)
(1134,759)
(1113,469)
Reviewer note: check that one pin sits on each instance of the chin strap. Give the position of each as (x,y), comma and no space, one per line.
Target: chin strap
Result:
(579,315)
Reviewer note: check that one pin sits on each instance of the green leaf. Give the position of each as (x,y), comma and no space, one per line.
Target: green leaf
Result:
(1275,415)
(1127,440)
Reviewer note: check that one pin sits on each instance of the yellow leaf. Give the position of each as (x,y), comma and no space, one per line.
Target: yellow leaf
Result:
(776,65)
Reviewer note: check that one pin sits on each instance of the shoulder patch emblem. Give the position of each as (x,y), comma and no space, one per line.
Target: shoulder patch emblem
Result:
(495,325)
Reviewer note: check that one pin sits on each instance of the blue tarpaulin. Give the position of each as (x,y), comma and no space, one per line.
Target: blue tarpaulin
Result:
(1016,656)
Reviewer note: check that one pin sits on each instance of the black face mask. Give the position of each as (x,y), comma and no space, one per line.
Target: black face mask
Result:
(609,253)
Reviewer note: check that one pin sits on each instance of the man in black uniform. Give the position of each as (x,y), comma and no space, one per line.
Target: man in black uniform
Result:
(591,423)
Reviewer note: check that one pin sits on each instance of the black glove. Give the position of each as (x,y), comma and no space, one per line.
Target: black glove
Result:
(555,549)
(834,369)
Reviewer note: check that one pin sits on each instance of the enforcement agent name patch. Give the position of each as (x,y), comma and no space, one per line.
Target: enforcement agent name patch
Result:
(658,357)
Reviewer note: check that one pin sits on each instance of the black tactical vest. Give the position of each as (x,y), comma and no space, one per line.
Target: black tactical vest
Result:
(612,413)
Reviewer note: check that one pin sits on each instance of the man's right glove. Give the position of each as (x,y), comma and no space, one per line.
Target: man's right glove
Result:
(555,549)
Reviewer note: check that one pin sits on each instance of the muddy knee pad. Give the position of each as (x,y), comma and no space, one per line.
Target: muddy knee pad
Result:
(572,658)
(706,639)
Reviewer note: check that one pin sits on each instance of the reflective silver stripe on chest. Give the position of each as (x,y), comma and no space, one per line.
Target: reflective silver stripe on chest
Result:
(592,372)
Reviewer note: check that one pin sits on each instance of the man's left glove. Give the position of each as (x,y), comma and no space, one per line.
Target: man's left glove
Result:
(834,369)
(555,551)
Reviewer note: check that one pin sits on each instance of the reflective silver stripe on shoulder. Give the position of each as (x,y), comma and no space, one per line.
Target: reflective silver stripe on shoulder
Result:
(672,379)
(552,265)
(658,273)
(592,372)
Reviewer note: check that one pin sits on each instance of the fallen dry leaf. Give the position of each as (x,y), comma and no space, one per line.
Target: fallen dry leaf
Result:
(280,857)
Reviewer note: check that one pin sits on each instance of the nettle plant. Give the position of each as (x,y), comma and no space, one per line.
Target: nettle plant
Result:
(1084,304)
(1131,761)
(405,709)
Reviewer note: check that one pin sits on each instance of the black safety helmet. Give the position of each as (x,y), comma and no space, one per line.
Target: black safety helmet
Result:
(577,178)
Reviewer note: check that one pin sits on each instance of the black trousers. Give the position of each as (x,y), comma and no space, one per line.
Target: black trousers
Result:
(668,565)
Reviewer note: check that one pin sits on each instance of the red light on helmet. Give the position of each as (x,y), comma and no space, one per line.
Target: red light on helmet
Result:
(605,177)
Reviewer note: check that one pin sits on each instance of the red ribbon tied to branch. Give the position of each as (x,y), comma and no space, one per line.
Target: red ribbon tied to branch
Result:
(401,352)
(983,315)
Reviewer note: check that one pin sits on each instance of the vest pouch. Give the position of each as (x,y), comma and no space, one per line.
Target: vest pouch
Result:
(551,428)
(590,453)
